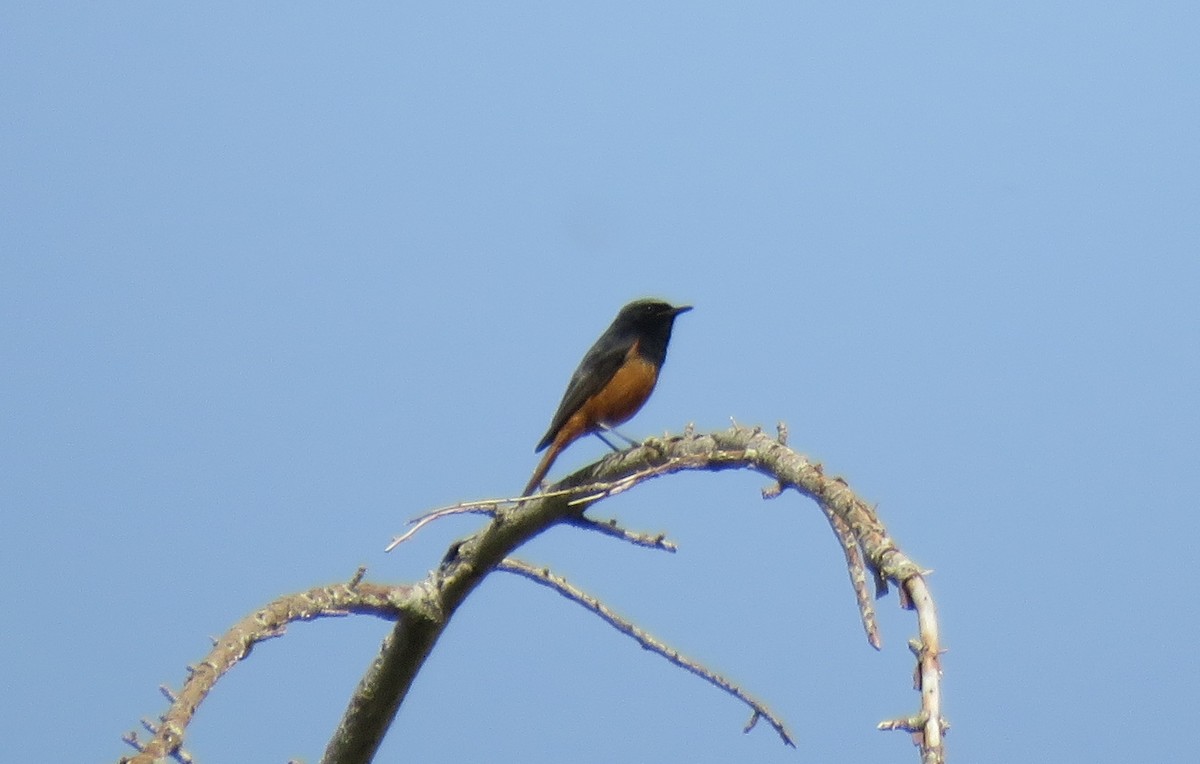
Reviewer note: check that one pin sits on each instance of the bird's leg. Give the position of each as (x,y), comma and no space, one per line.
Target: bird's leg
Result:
(614,431)
(606,441)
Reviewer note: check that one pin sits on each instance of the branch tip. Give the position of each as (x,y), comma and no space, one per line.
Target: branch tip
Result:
(754,717)
(613,529)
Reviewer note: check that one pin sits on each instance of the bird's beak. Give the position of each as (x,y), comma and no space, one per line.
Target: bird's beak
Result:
(680,309)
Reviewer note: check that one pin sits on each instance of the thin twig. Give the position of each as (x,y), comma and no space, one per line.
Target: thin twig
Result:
(582,496)
(490,507)
(544,577)
(611,528)
(420,522)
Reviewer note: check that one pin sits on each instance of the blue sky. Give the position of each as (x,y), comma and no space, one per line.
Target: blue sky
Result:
(275,279)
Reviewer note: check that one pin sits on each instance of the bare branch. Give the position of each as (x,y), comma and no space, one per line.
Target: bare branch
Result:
(858,575)
(423,610)
(544,577)
(611,528)
(487,507)
(927,727)
(736,448)
(167,741)
(590,493)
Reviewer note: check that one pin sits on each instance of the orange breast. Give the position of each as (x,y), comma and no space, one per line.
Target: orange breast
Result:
(619,400)
(624,394)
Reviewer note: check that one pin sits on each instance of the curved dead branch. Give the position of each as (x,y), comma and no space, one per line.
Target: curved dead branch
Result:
(423,610)
(271,621)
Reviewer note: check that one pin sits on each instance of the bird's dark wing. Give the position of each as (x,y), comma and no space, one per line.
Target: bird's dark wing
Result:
(595,371)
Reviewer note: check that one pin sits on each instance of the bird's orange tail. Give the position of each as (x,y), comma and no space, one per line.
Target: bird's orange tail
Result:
(542,468)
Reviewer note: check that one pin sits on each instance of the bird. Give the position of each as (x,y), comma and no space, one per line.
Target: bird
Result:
(613,380)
